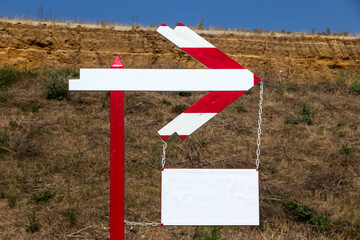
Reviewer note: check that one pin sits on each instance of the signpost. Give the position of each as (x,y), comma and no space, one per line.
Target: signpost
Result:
(228,79)
(117,159)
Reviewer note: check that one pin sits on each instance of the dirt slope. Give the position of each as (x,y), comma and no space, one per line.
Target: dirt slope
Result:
(51,45)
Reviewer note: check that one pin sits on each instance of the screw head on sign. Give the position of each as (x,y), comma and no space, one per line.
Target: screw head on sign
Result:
(117,63)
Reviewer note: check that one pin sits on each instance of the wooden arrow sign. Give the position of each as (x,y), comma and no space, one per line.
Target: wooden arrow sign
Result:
(212,103)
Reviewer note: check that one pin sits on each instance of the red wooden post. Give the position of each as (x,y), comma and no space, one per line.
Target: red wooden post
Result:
(117,160)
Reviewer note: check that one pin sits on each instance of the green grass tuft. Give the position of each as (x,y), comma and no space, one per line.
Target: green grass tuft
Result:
(346,151)
(71,216)
(210,233)
(33,223)
(43,196)
(355,86)
(303,213)
(240,108)
(56,86)
(291,121)
(11,199)
(8,75)
(305,116)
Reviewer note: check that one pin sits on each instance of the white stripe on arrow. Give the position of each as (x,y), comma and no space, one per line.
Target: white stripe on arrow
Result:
(163,80)
(185,124)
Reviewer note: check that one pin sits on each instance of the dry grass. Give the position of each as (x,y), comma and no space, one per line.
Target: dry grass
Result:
(54,160)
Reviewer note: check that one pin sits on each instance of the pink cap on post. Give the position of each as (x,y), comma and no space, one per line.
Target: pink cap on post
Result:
(117,63)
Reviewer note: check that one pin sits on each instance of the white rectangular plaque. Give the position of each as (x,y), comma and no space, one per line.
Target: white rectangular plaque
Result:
(210,197)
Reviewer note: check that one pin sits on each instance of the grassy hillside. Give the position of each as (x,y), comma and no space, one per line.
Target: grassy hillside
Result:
(54,151)
(54,144)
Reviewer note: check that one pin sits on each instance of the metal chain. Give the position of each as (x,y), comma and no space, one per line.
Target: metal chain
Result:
(259,122)
(163,155)
(153,224)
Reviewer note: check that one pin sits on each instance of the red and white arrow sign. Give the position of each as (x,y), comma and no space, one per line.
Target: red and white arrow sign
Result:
(212,103)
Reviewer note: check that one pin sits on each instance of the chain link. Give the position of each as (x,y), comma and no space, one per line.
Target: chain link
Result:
(153,224)
(163,155)
(259,122)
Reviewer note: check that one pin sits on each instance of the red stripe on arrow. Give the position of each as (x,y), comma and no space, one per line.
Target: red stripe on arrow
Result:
(256,79)
(214,102)
(213,58)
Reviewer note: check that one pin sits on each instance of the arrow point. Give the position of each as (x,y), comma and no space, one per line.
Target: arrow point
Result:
(117,63)
(180,24)
(163,25)
(256,79)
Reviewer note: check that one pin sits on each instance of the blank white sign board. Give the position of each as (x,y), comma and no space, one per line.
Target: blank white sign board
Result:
(210,197)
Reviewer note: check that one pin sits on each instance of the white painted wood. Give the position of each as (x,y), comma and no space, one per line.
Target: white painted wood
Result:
(186,123)
(212,197)
(192,39)
(184,37)
(163,80)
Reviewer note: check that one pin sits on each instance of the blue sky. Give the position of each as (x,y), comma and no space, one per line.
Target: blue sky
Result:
(292,15)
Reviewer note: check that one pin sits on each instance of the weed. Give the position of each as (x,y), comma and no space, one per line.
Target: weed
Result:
(291,121)
(30,107)
(355,86)
(4,95)
(328,31)
(71,216)
(9,74)
(303,213)
(357,224)
(166,102)
(185,94)
(305,109)
(306,214)
(305,118)
(306,151)
(210,233)
(179,108)
(4,142)
(2,195)
(320,130)
(339,124)
(33,223)
(342,133)
(291,85)
(135,27)
(240,108)
(56,86)
(21,181)
(11,199)
(322,222)
(200,26)
(43,196)
(341,79)
(347,151)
